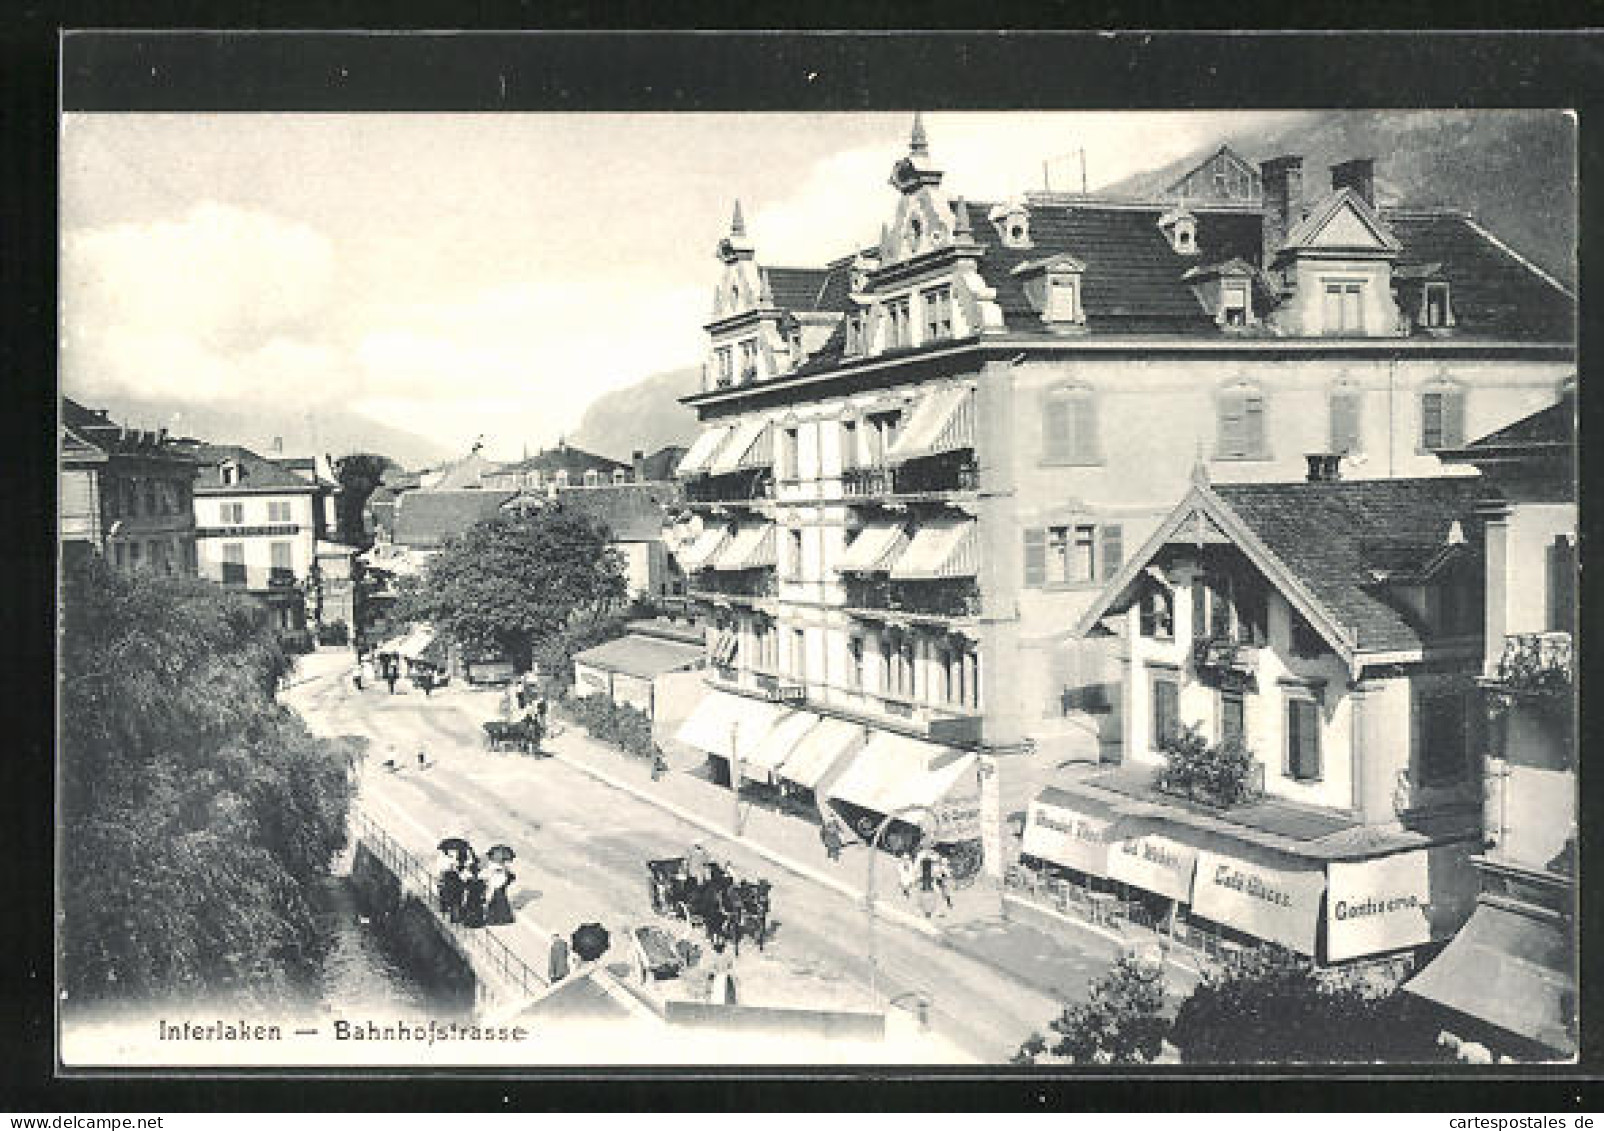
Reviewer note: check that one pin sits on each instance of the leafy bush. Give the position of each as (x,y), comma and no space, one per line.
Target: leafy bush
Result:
(1121,1022)
(1220,774)
(618,724)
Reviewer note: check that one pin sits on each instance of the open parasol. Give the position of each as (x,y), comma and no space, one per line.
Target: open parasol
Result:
(590,941)
(502,854)
(454,844)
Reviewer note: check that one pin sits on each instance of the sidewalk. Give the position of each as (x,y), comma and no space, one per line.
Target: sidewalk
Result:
(979,926)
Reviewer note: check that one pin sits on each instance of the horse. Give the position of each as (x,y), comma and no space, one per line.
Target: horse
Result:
(751,912)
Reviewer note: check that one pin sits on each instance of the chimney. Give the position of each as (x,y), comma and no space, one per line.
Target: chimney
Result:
(638,458)
(1359,175)
(1324,467)
(278,445)
(1282,178)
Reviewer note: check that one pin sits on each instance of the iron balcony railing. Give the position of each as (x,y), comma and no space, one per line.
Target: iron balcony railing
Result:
(734,583)
(922,598)
(921,477)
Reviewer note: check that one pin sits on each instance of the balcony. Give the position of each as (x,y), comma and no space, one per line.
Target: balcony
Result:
(944,600)
(743,489)
(921,480)
(1227,660)
(743,585)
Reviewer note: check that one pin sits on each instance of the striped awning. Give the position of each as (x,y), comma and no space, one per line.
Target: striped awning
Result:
(751,445)
(830,743)
(896,773)
(776,746)
(942,421)
(703,448)
(752,547)
(725,645)
(939,549)
(874,549)
(708,543)
(723,722)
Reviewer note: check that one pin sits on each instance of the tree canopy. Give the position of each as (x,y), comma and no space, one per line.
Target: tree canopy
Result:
(1121,1021)
(513,581)
(196,810)
(360,474)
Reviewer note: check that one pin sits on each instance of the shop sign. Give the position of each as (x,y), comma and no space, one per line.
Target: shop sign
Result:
(1065,837)
(1275,904)
(952,821)
(1155,863)
(1377,905)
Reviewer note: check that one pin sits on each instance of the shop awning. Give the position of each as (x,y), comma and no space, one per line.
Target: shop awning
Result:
(893,772)
(721,718)
(939,549)
(820,750)
(1510,968)
(1261,895)
(1377,905)
(642,656)
(725,645)
(1156,863)
(1076,832)
(751,547)
(702,451)
(875,548)
(751,445)
(943,421)
(708,543)
(776,746)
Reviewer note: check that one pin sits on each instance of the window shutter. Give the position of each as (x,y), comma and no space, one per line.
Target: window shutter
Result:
(1166,710)
(1561,584)
(1200,609)
(1113,555)
(1303,739)
(1085,429)
(1453,418)
(1253,425)
(1230,424)
(1431,420)
(1035,558)
(1344,422)
(1055,427)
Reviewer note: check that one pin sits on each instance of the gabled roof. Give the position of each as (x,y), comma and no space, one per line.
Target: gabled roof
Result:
(424,519)
(1306,232)
(88,435)
(1316,543)
(634,512)
(565,457)
(256,472)
(469,471)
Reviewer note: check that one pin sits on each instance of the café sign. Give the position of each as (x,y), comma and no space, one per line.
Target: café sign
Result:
(1064,836)
(1275,904)
(1155,863)
(1377,905)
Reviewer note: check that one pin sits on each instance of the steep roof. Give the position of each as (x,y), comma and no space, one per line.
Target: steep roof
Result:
(466,472)
(634,512)
(566,457)
(90,435)
(424,519)
(256,472)
(660,465)
(1330,535)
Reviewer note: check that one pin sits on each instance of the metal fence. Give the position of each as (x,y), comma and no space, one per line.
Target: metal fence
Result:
(419,880)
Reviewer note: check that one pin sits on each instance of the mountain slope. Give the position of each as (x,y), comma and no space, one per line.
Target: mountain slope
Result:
(646,416)
(1513,169)
(332,432)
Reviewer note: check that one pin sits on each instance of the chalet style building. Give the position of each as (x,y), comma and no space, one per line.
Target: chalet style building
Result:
(125,493)
(922,461)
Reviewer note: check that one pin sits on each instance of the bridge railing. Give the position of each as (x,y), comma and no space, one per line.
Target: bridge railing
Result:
(418,878)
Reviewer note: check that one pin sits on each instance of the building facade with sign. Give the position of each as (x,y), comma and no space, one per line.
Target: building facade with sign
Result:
(922,461)
(126,494)
(1509,978)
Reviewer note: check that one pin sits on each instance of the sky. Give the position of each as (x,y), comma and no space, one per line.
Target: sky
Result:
(485,275)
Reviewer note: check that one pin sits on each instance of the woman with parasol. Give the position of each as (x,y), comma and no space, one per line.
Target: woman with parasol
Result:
(473,896)
(449,881)
(498,878)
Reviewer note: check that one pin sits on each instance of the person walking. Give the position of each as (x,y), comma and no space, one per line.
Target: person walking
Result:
(356,676)
(450,887)
(830,835)
(907,874)
(943,871)
(927,885)
(696,861)
(473,897)
(659,763)
(391,674)
(557,962)
(498,912)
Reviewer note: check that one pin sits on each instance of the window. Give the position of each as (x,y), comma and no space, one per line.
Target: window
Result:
(283,558)
(938,313)
(191,562)
(1063,297)
(1072,555)
(1166,710)
(1442,418)
(592,478)
(882,434)
(133,555)
(854,342)
(1344,306)
(795,539)
(726,366)
(561,478)
(1241,425)
(849,445)
(1303,740)
(233,563)
(749,360)
(278,510)
(233,514)
(902,665)
(798,653)
(1345,421)
(898,331)
(789,447)
(1233,718)
(1233,304)
(1434,309)
(119,554)
(1230,606)
(1442,738)
(231,474)
(855,662)
(1069,427)
(1157,613)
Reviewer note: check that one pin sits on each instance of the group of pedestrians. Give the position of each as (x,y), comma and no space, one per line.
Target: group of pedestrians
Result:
(472,893)
(377,667)
(925,876)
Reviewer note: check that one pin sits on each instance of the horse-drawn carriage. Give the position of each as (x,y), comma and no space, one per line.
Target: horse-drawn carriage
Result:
(716,902)
(522,735)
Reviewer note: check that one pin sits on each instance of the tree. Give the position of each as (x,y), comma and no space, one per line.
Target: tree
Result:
(513,581)
(196,810)
(1277,1009)
(1121,1022)
(360,474)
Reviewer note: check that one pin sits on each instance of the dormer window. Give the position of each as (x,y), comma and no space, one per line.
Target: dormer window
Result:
(1435,310)
(620,477)
(1012,221)
(1180,229)
(1234,308)
(593,478)
(232,474)
(1053,286)
(1063,297)
(561,478)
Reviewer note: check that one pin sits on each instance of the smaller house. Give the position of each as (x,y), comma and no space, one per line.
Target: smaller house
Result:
(655,667)
(562,466)
(467,473)
(637,515)
(1329,631)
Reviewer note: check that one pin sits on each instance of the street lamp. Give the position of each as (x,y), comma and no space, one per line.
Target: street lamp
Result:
(868,892)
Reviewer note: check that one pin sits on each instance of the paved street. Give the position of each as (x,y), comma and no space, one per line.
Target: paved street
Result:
(583,846)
